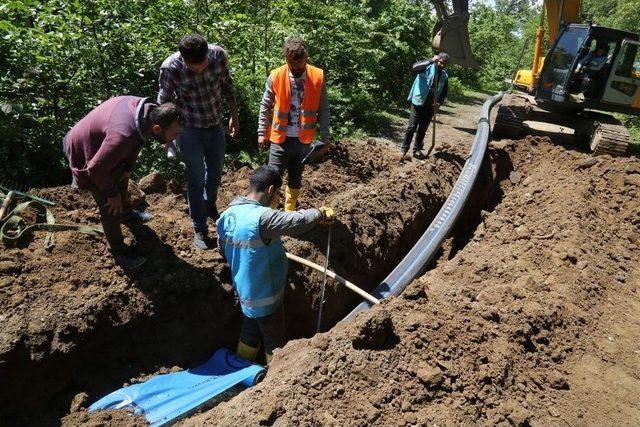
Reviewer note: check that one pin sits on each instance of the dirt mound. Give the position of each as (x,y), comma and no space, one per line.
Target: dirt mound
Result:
(103,418)
(534,321)
(73,322)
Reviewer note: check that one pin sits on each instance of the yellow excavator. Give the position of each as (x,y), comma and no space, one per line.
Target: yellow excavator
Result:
(588,72)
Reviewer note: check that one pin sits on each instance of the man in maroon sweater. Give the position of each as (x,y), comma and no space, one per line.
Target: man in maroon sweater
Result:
(102,150)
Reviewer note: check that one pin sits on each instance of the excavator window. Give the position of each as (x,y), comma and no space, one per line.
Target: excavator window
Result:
(557,75)
(592,68)
(623,87)
(629,65)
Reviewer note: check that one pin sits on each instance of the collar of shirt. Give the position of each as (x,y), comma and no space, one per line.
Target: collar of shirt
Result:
(302,76)
(243,200)
(142,113)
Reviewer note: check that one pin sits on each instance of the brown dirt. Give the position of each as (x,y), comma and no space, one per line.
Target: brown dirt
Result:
(104,418)
(73,322)
(535,321)
(531,315)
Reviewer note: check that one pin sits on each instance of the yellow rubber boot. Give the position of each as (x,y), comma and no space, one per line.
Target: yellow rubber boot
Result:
(291,199)
(275,201)
(246,351)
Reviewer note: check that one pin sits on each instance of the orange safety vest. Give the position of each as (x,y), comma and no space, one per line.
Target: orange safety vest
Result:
(308,108)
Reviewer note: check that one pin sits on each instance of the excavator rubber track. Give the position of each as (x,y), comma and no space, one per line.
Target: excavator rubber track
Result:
(510,118)
(610,138)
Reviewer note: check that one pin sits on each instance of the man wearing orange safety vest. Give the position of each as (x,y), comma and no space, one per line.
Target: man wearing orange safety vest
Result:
(294,104)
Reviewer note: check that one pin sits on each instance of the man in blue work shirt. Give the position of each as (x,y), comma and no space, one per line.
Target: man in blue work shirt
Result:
(421,97)
(249,234)
(589,69)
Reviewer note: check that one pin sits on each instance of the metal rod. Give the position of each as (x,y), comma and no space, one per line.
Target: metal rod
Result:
(324,279)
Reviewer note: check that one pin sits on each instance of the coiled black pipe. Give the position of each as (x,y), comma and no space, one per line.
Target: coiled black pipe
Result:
(416,261)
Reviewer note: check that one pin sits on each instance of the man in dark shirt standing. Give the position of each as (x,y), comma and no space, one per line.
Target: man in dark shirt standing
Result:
(195,77)
(421,96)
(102,150)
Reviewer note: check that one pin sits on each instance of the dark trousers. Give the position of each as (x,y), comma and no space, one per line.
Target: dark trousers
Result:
(268,330)
(111,224)
(419,120)
(288,156)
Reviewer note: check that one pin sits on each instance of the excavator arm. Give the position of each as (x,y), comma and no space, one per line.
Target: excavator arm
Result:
(451,32)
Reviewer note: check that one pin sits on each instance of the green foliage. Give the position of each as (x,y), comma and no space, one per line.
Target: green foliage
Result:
(456,89)
(620,14)
(62,58)
(497,39)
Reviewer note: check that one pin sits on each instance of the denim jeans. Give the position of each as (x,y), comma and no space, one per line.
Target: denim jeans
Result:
(203,152)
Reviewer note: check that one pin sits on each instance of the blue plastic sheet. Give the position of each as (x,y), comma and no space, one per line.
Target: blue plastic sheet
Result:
(165,398)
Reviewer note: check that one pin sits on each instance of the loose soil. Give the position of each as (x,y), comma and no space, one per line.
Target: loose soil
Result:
(530,316)
(73,322)
(534,322)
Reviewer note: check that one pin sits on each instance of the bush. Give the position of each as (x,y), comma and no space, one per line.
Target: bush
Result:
(62,58)
(456,89)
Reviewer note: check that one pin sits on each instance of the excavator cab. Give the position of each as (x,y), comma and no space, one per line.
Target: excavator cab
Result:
(588,72)
(591,67)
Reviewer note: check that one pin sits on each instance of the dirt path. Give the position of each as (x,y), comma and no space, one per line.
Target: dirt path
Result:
(533,322)
(456,123)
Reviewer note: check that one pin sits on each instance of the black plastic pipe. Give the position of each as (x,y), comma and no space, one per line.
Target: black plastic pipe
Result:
(416,261)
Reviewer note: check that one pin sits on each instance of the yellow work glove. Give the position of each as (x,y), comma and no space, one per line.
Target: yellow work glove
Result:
(328,215)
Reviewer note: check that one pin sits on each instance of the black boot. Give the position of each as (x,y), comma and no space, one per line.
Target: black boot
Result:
(128,259)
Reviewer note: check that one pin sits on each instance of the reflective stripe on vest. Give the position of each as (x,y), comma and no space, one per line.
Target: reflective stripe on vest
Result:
(308,108)
(262,302)
(242,244)
(281,116)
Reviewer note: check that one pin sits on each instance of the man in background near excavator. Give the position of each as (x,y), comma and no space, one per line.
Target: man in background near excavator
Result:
(249,234)
(102,150)
(421,96)
(589,70)
(294,103)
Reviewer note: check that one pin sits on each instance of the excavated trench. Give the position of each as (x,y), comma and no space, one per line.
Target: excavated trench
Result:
(178,311)
(515,329)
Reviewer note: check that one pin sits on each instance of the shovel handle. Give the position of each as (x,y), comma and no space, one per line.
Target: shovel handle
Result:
(339,279)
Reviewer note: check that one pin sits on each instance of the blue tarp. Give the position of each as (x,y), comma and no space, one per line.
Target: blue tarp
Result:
(165,398)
